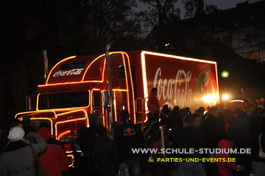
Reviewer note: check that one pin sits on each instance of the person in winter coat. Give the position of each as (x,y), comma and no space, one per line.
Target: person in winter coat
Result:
(174,122)
(17,158)
(153,104)
(214,130)
(213,127)
(106,152)
(128,136)
(164,114)
(226,168)
(241,134)
(189,137)
(53,160)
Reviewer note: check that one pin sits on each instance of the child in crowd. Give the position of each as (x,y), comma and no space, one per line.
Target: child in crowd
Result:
(226,168)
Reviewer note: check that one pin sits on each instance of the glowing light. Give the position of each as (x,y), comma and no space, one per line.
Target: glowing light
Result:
(178,57)
(63,133)
(210,98)
(214,98)
(69,83)
(131,79)
(224,74)
(31,113)
(73,111)
(225,97)
(115,109)
(68,58)
(59,109)
(67,121)
(72,159)
(44,118)
(127,84)
(217,83)
(237,101)
(145,88)
(90,66)
(91,99)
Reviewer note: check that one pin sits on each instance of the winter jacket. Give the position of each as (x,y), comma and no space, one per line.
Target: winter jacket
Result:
(225,168)
(189,137)
(53,159)
(126,137)
(18,159)
(240,132)
(106,156)
(214,130)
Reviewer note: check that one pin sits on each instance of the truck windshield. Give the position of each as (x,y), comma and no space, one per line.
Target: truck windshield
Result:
(63,100)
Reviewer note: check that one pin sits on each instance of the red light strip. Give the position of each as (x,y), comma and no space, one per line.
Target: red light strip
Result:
(73,158)
(63,133)
(45,118)
(68,58)
(61,109)
(67,83)
(178,57)
(82,81)
(90,66)
(114,103)
(145,88)
(143,62)
(130,74)
(31,112)
(66,121)
(73,111)
(91,99)
(217,82)
(103,112)
(127,86)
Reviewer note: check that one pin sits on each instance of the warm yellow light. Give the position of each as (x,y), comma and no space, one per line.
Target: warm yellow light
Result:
(225,97)
(210,98)
(178,57)
(63,133)
(72,159)
(225,74)
(68,58)
(237,101)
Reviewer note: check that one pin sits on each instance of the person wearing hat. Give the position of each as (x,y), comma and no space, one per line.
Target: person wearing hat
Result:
(189,137)
(17,158)
(128,136)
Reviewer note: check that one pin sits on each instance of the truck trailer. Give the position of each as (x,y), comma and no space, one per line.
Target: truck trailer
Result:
(77,86)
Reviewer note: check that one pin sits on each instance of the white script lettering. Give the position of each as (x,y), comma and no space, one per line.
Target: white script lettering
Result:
(176,89)
(76,71)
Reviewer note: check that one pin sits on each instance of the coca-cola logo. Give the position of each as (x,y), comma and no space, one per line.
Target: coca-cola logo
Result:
(174,90)
(76,71)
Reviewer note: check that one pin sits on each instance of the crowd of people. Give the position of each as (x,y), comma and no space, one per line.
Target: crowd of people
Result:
(31,152)
(109,152)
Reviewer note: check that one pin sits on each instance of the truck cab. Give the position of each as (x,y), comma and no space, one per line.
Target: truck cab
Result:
(75,88)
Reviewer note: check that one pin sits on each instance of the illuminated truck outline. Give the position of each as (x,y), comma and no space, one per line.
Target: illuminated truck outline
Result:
(133,76)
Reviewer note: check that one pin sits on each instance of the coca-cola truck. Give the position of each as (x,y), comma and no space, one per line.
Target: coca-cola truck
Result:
(77,86)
